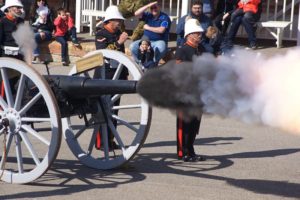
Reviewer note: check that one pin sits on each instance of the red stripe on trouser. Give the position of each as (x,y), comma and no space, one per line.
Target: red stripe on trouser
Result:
(98,140)
(2,89)
(180,136)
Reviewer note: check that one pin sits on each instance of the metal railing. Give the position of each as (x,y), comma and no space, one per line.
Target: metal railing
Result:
(280,10)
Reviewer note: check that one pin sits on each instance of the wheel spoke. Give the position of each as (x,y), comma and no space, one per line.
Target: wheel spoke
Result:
(30,103)
(7,88)
(35,134)
(105,141)
(19,154)
(93,139)
(115,98)
(3,104)
(118,72)
(32,119)
(127,107)
(8,144)
(116,134)
(122,121)
(30,147)
(82,129)
(20,92)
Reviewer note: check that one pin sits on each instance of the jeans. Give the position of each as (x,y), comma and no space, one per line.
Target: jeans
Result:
(63,40)
(159,48)
(248,20)
(38,40)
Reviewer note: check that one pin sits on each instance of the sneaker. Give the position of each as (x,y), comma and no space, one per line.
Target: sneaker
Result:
(75,42)
(36,60)
(253,46)
(64,63)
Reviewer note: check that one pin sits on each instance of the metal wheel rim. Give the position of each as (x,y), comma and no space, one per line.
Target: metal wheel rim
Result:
(54,121)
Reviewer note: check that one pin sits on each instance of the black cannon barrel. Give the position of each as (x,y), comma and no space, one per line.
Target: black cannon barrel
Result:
(82,87)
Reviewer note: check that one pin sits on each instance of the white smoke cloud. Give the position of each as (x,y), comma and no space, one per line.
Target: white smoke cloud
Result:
(248,87)
(24,37)
(254,89)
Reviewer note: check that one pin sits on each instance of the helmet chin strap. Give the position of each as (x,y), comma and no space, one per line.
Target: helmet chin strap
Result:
(17,15)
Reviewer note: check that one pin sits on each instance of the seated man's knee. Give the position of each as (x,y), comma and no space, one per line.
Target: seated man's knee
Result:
(249,17)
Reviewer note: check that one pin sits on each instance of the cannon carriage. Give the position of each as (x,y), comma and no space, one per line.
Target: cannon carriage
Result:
(104,122)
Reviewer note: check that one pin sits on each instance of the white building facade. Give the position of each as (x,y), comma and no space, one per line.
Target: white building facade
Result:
(280,18)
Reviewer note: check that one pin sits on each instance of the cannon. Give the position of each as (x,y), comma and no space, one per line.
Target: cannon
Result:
(103,121)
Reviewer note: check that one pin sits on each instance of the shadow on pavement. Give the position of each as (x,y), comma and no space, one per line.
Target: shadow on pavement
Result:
(67,177)
(166,163)
(213,141)
(70,177)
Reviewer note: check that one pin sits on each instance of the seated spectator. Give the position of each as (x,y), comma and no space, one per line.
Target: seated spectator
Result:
(196,13)
(65,28)
(146,54)
(223,13)
(215,39)
(247,13)
(156,29)
(42,23)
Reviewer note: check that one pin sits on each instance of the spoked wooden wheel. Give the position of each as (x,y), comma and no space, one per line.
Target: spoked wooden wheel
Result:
(129,126)
(31,138)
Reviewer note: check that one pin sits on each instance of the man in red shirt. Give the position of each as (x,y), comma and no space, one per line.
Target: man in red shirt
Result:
(247,13)
(64,25)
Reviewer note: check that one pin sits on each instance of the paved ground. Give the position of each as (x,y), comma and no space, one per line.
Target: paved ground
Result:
(244,162)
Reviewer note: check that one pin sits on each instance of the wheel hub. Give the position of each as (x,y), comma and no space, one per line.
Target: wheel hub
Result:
(14,119)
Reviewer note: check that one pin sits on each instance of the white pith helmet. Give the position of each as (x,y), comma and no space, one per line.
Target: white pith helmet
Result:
(112,12)
(10,3)
(192,26)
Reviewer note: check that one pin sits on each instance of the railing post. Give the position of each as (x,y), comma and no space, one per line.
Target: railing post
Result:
(298,33)
(185,7)
(78,16)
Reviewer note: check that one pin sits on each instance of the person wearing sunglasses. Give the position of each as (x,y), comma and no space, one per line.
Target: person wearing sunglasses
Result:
(42,21)
(128,8)
(156,28)
(13,10)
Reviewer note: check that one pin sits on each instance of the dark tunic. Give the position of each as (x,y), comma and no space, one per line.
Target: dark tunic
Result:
(186,53)
(107,40)
(7,27)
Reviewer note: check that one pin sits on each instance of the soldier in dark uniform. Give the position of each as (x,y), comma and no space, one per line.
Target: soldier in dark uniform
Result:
(109,36)
(187,130)
(128,9)
(13,11)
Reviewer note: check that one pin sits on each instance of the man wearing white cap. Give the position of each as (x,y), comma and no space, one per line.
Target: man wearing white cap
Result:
(8,24)
(187,130)
(109,36)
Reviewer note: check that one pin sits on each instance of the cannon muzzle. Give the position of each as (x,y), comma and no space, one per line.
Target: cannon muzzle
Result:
(83,87)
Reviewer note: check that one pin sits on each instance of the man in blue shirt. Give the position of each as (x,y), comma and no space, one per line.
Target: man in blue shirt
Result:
(196,13)
(156,29)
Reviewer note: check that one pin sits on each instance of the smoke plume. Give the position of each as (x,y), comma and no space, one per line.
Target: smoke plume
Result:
(246,86)
(24,37)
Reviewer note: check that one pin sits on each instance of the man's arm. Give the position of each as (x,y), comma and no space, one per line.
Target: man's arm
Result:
(160,29)
(140,11)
